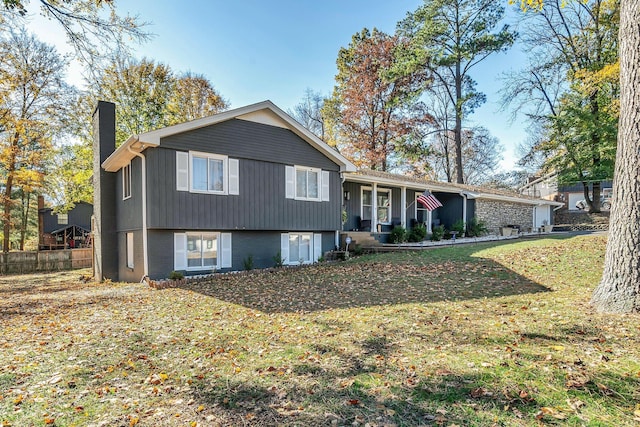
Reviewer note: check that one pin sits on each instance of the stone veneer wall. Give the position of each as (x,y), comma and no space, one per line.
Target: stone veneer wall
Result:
(496,214)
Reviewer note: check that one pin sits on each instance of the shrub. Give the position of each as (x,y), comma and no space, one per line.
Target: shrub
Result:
(458,226)
(398,235)
(176,275)
(247,263)
(437,233)
(476,228)
(358,250)
(278,261)
(417,233)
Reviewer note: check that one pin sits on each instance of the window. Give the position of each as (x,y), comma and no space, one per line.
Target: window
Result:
(208,173)
(202,251)
(195,251)
(383,200)
(304,183)
(422,214)
(126,182)
(63,218)
(307,184)
(130,250)
(300,248)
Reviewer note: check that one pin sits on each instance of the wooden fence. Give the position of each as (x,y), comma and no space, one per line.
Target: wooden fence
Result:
(30,262)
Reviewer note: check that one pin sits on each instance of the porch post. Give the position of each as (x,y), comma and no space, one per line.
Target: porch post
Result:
(403,203)
(464,210)
(374,207)
(429,221)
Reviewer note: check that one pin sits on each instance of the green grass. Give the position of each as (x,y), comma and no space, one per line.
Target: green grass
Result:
(490,334)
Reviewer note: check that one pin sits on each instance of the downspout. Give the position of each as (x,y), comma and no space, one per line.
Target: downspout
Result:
(144,211)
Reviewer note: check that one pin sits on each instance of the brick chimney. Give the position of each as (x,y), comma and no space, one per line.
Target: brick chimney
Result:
(105,239)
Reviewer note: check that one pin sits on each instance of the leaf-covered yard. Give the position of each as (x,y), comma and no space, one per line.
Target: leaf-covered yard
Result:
(492,334)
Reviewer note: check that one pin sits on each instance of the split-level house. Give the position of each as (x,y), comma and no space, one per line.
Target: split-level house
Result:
(246,187)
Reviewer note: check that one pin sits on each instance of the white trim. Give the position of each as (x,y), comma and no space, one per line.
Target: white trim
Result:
(290,182)
(285,247)
(326,189)
(374,204)
(319,183)
(209,156)
(316,242)
(225,258)
(129,245)
(234,177)
(180,251)
(126,182)
(182,171)
(403,204)
(417,206)
(203,235)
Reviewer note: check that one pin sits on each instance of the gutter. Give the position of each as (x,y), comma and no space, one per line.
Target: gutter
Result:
(144,207)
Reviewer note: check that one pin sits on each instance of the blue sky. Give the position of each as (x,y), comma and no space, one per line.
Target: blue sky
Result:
(255,50)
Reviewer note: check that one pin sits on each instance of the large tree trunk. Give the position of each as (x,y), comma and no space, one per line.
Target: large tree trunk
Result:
(619,290)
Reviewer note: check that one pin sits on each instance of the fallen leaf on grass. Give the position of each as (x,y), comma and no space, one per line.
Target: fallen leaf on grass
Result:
(545,410)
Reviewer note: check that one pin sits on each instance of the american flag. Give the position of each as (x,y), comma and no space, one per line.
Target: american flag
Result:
(429,201)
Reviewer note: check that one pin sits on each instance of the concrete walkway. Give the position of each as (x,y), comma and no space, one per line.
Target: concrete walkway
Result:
(389,247)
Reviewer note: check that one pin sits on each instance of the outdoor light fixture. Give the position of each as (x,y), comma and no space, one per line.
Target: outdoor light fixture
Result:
(347,195)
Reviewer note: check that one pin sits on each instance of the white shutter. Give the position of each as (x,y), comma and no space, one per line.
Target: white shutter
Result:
(179,251)
(317,247)
(182,171)
(290,183)
(234,181)
(284,247)
(225,250)
(325,186)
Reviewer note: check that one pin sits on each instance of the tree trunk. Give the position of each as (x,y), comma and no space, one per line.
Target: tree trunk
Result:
(6,216)
(595,202)
(619,290)
(26,202)
(458,131)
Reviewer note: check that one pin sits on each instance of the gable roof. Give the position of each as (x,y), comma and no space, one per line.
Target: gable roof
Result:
(471,191)
(265,112)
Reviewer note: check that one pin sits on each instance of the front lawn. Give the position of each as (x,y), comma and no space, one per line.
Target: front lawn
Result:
(487,334)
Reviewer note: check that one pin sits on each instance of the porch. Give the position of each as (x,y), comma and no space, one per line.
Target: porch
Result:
(378,207)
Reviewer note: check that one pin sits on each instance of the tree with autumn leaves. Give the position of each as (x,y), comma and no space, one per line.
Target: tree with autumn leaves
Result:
(375,111)
(34,98)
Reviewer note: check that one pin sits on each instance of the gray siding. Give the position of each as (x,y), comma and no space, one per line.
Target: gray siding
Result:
(129,212)
(126,274)
(353,205)
(451,210)
(80,215)
(471,209)
(261,204)
(262,246)
(249,140)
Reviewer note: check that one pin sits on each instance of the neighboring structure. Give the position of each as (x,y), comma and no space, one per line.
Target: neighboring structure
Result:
(252,186)
(64,230)
(547,187)
(543,187)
